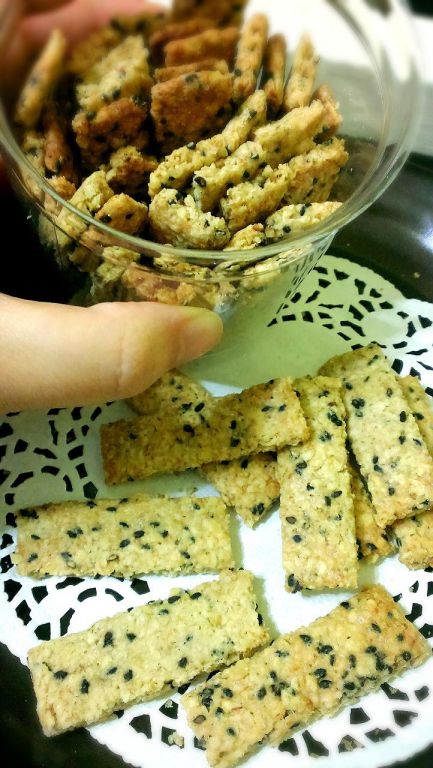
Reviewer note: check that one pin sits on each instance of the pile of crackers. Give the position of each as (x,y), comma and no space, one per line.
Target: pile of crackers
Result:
(187,128)
(349,453)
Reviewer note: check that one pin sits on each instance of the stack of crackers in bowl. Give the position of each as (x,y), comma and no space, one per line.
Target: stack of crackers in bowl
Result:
(349,453)
(185,129)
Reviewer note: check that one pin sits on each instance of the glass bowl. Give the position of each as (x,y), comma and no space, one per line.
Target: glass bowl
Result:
(368,56)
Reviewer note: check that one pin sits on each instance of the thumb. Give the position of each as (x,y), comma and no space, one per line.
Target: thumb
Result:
(61,356)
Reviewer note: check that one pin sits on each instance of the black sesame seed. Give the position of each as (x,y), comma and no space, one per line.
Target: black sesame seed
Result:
(183,662)
(306,639)
(188,429)
(325,683)
(261,693)
(291,520)
(138,534)
(173,599)
(85,685)
(195,595)
(403,416)
(332,416)
(345,604)
(227,692)
(231,731)
(376,628)
(128,675)
(320,672)
(60,674)
(300,467)
(131,636)
(108,639)
(407,655)
(124,543)
(112,671)
(297,538)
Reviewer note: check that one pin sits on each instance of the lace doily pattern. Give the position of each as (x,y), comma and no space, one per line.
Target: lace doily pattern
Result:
(54,456)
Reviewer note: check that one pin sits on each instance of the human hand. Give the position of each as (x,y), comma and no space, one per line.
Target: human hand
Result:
(56,355)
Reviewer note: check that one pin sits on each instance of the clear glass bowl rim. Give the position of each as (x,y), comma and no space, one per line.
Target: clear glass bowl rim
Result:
(381,174)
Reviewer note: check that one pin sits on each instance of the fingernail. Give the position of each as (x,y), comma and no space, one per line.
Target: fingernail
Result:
(202,330)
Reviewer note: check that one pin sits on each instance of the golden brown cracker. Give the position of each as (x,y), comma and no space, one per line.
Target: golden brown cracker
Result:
(249,59)
(58,154)
(41,81)
(224,12)
(115,125)
(190,107)
(300,87)
(274,65)
(297,218)
(333,117)
(214,43)
(176,31)
(180,223)
(209,65)
(123,213)
(129,170)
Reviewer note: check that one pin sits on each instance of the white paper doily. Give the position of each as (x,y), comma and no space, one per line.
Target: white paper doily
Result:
(46,457)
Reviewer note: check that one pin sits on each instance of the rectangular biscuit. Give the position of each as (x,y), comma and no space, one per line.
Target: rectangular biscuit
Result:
(300,87)
(83,678)
(297,218)
(373,542)
(190,107)
(315,173)
(274,72)
(210,184)
(176,31)
(89,198)
(293,134)
(249,485)
(96,46)
(116,125)
(304,675)
(414,535)
(177,169)
(263,418)
(174,391)
(316,505)
(123,73)
(421,407)
(41,81)
(123,213)
(58,157)
(223,12)
(124,537)
(180,223)
(209,65)
(252,113)
(249,58)
(384,435)
(216,43)
(333,118)
(250,201)
(128,170)
(247,238)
